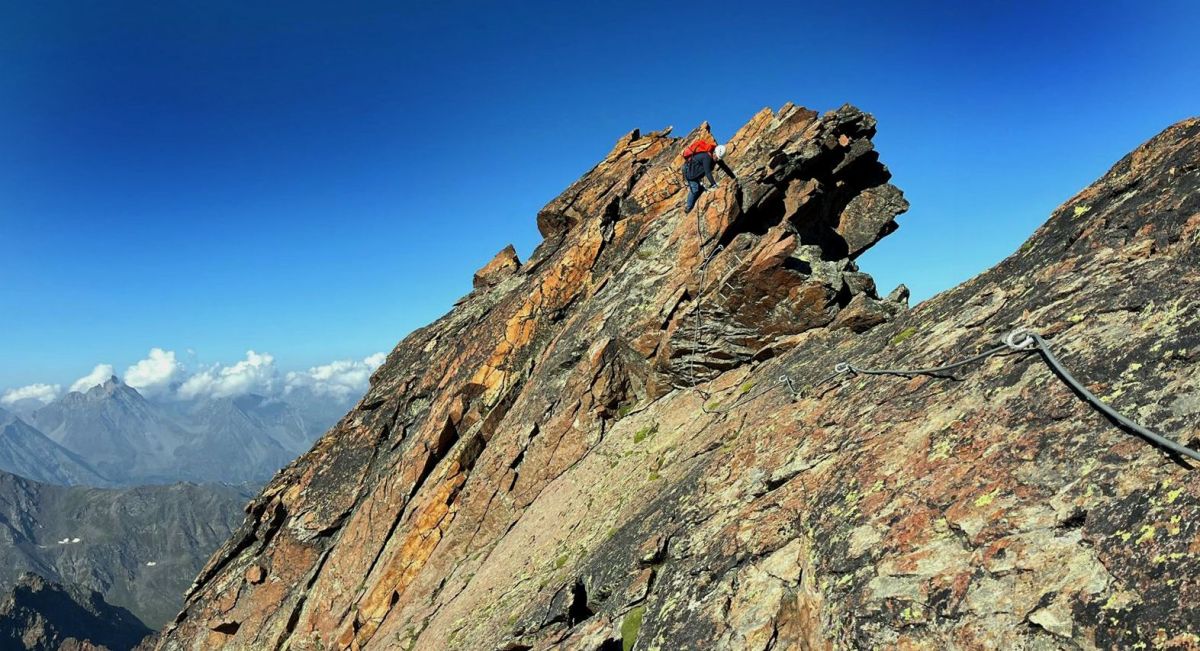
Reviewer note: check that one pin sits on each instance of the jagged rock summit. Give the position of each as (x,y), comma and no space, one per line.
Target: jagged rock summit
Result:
(592,450)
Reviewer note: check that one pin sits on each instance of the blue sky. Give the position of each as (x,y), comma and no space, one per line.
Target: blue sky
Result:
(314,180)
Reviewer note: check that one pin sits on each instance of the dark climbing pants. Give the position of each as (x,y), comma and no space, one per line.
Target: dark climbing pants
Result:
(694,190)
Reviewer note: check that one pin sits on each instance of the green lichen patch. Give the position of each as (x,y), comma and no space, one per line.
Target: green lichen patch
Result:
(903,335)
(986,499)
(630,627)
(645,432)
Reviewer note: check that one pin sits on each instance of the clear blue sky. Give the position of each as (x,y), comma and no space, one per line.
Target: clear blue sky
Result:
(315,180)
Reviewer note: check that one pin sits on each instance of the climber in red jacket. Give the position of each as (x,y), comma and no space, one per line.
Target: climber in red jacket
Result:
(698,160)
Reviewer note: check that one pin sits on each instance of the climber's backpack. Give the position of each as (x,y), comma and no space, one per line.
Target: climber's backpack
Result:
(693,167)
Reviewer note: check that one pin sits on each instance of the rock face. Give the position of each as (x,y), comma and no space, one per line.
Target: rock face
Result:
(139,547)
(39,615)
(595,451)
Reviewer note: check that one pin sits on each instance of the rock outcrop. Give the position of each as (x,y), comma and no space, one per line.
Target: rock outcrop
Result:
(501,267)
(592,450)
(43,616)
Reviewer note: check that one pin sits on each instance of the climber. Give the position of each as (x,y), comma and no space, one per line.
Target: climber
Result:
(698,161)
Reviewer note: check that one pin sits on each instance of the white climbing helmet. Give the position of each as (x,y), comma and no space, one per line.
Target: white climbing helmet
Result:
(719,152)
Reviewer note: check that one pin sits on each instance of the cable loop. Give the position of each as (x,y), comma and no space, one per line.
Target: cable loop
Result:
(1020,340)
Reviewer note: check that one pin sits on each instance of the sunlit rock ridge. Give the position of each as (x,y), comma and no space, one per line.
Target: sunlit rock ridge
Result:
(593,449)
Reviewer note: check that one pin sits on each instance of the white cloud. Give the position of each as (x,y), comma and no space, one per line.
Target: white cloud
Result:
(155,373)
(162,373)
(255,374)
(341,379)
(99,375)
(43,393)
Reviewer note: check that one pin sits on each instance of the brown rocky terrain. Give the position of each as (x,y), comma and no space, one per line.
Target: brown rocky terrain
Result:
(593,450)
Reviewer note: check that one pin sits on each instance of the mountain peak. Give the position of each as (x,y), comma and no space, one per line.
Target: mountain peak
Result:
(113,387)
(111,384)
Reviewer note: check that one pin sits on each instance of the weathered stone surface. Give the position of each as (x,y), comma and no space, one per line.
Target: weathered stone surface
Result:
(864,313)
(499,269)
(255,574)
(863,222)
(553,481)
(899,295)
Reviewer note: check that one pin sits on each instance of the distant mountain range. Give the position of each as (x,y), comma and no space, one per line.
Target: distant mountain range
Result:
(27,452)
(99,540)
(139,547)
(114,436)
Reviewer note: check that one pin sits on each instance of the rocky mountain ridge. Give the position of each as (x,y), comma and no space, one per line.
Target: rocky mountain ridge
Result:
(603,455)
(138,547)
(27,452)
